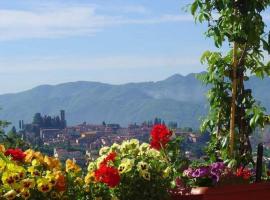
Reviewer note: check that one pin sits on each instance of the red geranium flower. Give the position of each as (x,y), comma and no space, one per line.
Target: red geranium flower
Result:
(160,136)
(16,154)
(244,173)
(107,175)
(110,157)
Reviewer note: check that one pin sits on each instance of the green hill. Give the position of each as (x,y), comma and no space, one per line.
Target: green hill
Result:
(178,98)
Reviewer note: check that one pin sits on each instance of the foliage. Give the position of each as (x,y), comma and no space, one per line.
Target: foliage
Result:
(240,24)
(12,139)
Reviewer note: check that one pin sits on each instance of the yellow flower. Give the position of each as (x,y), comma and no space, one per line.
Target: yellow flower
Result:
(153,153)
(35,162)
(167,172)
(14,168)
(28,183)
(104,150)
(29,155)
(89,178)
(134,143)
(71,166)
(2,165)
(39,156)
(145,175)
(44,185)
(115,147)
(79,181)
(33,171)
(10,194)
(91,167)
(144,147)
(143,166)
(126,165)
(100,160)
(52,163)
(25,194)
(8,178)
(130,147)
(2,148)
(51,177)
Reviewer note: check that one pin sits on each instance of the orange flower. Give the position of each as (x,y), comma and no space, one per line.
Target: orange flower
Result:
(52,163)
(2,148)
(29,155)
(60,182)
(72,166)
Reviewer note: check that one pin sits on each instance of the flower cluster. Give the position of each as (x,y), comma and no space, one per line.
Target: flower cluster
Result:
(160,136)
(129,169)
(32,175)
(122,171)
(108,174)
(16,154)
(209,174)
(243,173)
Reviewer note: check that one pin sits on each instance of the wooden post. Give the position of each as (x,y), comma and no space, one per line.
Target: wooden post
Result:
(259,163)
(233,103)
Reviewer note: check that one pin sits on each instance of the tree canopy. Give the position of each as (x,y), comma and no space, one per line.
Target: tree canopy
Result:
(234,113)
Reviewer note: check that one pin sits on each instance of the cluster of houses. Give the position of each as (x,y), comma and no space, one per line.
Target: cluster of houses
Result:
(82,142)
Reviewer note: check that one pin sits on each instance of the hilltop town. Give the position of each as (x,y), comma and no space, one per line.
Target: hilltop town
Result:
(83,141)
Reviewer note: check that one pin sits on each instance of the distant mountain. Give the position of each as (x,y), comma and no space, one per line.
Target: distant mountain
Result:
(177,98)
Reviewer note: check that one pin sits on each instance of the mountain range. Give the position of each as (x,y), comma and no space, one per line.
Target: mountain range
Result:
(177,98)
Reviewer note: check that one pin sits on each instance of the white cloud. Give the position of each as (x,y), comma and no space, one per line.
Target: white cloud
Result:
(137,9)
(96,63)
(47,22)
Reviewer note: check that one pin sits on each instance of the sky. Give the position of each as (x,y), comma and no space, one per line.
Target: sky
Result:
(110,41)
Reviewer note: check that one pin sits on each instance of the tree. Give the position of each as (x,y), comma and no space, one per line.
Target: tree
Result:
(3,125)
(157,121)
(38,119)
(234,113)
(12,133)
(173,125)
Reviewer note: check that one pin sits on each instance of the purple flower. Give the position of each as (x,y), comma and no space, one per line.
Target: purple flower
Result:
(218,165)
(196,173)
(215,178)
(188,172)
(204,171)
(201,172)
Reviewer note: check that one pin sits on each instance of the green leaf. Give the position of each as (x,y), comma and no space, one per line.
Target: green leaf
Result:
(232,163)
(194,7)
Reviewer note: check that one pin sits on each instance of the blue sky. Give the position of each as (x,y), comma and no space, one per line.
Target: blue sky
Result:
(111,41)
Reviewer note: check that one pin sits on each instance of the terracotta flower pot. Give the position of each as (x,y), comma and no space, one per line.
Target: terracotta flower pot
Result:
(199,190)
(260,191)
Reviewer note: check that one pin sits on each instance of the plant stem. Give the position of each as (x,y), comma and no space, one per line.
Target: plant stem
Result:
(165,153)
(233,103)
